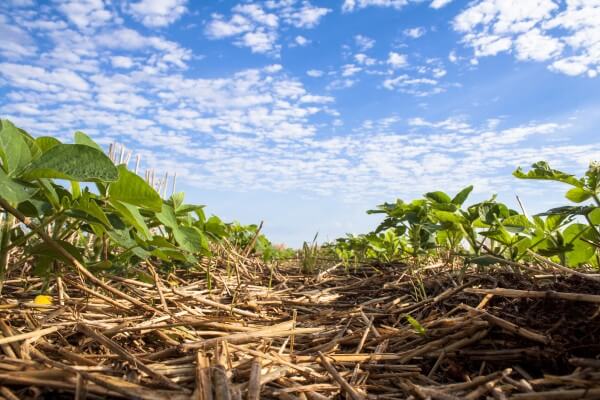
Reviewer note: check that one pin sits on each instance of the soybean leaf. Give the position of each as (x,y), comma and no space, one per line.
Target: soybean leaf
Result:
(461,196)
(13,191)
(448,217)
(578,195)
(167,217)
(190,239)
(45,143)
(415,325)
(215,227)
(14,150)
(45,250)
(75,162)
(438,197)
(82,138)
(581,251)
(517,223)
(177,200)
(594,216)
(132,216)
(132,189)
(486,260)
(541,170)
(31,143)
(35,208)
(89,206)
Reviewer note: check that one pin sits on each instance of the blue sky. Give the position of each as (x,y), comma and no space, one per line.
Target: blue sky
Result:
(306,113)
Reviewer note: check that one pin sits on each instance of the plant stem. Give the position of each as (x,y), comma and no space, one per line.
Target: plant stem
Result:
(7,222)
(26,237)
(72,260)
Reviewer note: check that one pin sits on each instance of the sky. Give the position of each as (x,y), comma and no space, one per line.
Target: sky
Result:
(303,113)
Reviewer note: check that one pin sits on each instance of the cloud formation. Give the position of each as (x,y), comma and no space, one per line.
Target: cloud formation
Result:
(256,25)
(565,35)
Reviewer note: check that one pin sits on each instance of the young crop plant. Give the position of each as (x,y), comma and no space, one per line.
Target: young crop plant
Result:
(578,243)
(485,233)
(116,221)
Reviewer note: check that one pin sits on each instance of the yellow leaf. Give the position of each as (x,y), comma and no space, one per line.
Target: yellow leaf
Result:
(43,300)
(173,283)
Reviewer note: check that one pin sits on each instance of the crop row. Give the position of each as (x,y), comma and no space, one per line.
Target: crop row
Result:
(487,232)
(113,222)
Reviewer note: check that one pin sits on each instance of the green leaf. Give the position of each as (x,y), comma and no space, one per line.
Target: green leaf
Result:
(448,217)
(89,206)
(215,227)
(517,221)
(438,197)
(177,200)
(190,239)
(45,143)
(132,189)
(13,191)
(555,221)
(542,171)
(34,149)
(14,149)
(485,260)
(45,250)
(461,196)
(578,195)
(415,325)
(594,216)
(82,138)
(167,217)
(74,162)
(34,208)
(132,216)
(100,266)
(581,251)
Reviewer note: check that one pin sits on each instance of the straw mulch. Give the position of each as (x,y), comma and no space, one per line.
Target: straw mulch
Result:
(274,333)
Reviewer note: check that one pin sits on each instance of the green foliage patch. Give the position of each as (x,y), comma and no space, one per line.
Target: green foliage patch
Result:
(115,223)
(441,225)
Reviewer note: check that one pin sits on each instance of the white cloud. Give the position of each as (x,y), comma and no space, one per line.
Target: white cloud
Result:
(314,73)
(363,59)
(157,13)
(452,57)
(309,98)
(257,14)
(351,5)
(566,35)
(218,28)
(572,66)
(259,41)
(535,46)
(439,72)
(16,42)
(439,3)
(414,33)
(86,13)
(256,26)
(165,53)
(306,16)
(350,69)
(301,40)
(397,60)
(274,68)
(40,79)
(121,62)
(364,43)
(415,86)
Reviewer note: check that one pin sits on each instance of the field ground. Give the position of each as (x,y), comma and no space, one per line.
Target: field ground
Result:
(375,332)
